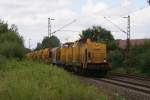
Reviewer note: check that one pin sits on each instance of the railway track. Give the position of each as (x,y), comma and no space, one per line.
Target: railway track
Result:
(127,86)
(130,82)
(142,78)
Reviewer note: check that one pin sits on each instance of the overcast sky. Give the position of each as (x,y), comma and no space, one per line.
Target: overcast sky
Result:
(31,17)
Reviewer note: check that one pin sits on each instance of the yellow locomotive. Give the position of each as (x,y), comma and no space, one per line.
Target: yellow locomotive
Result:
(78,56)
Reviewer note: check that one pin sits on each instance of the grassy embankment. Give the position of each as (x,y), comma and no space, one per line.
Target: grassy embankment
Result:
(25,80)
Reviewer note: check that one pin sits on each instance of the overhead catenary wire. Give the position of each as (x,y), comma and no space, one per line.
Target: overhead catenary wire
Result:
(137,10)
(71,30)
(64,26)
(116,25)
(132,11)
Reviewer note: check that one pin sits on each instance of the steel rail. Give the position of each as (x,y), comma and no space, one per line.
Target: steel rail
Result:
(128,85)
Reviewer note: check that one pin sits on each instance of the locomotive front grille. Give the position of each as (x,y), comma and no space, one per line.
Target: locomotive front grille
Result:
(98,57)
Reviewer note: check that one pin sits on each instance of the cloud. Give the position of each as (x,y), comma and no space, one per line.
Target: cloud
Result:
(140,23)
(91,8)
(125,3)
(31,17)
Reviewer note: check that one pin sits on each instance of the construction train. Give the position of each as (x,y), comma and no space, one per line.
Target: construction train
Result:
(80,57)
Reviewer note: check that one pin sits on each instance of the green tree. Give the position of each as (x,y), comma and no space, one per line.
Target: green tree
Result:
(116,58)
(99,34)
(136,52)
(14,28)
(50,42)
(145,62)
(27,50)
(39,46)
(11,43)
(3,27)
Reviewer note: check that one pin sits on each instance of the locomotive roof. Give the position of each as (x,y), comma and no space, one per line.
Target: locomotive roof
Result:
(68,43)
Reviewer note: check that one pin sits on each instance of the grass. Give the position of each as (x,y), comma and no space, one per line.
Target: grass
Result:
(26,80)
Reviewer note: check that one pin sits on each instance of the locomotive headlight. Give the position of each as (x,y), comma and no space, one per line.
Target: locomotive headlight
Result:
(89,61)
(105,60)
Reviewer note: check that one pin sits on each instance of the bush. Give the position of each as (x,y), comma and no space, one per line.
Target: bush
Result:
(11,44)
(116,58)
(12,37)
(2,62)
(137,63)
(10,49)
(3,27)
(145,62)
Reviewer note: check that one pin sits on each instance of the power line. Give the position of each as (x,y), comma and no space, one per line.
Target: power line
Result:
(70,30)
(139,9)
(127,33)
(64,26)
(116,25)
(132,12)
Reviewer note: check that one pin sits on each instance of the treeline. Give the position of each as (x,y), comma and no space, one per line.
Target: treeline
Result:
(139,57)
(48,42)
(11,43)
(138,61)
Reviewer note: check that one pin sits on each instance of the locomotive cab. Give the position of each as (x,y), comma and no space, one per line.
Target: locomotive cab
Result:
(96,52)
(94,56)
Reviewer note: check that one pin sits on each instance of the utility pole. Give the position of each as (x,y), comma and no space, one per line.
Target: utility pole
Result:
(29,44)
(128,35)
(126,32)
(49,27)
(148,1)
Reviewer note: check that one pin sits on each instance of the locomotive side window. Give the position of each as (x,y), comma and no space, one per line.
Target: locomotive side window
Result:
(89,55)
(50,54)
